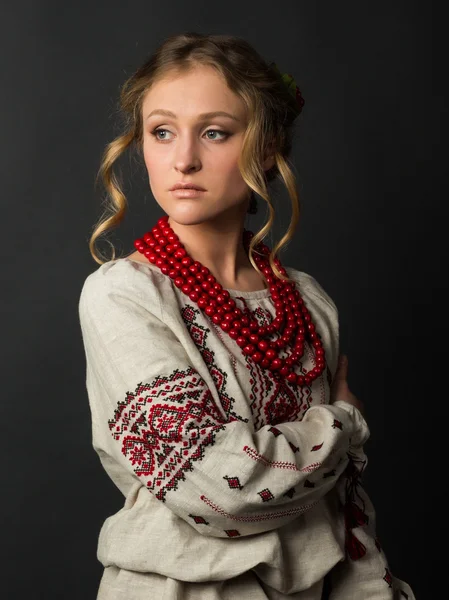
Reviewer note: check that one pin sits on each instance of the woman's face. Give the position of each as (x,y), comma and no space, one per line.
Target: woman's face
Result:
(186,147)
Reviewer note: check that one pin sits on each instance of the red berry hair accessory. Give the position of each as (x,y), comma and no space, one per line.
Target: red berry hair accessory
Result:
(291,86)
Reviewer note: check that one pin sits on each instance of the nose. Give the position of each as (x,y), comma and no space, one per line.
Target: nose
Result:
(187,157)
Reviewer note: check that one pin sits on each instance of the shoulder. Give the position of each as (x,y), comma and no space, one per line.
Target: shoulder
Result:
(324,313)
(309,285)
(122,281)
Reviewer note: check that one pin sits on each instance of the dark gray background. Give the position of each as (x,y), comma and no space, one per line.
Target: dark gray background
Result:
(373,228)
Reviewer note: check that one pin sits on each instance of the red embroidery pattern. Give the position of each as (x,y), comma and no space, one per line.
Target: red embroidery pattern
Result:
(388,578)
(233,483)
(266,495)
(220,336)
(199,334)
(199,520)
(164,439)
(277,464)
(232,532)
(272,399)
(293,447)
(257,518)
(275,431)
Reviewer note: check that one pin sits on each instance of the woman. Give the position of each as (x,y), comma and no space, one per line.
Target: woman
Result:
(218,405)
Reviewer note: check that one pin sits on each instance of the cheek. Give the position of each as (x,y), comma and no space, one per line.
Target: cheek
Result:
(146,155)
(227,164)
(231,173)
(153,162)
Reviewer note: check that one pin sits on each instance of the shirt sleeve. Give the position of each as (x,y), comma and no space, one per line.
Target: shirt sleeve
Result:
(155,417)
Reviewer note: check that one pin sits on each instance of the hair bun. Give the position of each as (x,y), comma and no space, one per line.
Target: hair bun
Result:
(291,85)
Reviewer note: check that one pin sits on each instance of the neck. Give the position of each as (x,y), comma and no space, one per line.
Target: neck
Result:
(219,248)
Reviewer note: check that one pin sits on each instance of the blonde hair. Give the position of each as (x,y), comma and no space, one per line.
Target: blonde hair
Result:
(271,113)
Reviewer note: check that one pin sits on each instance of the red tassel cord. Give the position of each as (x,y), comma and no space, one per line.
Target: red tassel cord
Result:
(354,546)
(354,516)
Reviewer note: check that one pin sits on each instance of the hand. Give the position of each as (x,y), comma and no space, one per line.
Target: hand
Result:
(340,389)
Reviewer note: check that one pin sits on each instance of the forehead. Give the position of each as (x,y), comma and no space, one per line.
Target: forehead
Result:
(198,90)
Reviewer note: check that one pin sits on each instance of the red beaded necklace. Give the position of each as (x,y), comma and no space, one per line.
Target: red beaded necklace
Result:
(162,247)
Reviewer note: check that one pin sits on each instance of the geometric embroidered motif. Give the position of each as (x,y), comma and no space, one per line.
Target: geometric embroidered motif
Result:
(275,431)
(258,518)
(293,447)
(329,474)
(279,464)
(291,492)
(272,399)
(164,427)
(199,334)
(388,578)
(199,520)
(266,495)
(233,482)
(232,532)
(317,447)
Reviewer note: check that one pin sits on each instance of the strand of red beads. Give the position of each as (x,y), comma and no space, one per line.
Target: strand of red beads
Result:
(162,247)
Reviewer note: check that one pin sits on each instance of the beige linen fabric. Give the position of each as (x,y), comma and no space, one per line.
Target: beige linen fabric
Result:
(234,481)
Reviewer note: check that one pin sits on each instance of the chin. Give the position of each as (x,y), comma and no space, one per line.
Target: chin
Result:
(192,215)
(186,220)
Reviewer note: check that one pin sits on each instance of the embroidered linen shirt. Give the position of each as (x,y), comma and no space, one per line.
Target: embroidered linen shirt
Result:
(234,480)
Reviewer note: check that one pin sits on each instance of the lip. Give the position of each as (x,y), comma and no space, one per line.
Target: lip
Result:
(187,192)
(189,186)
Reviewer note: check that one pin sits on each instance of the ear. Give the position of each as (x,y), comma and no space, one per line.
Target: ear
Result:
(269,159)
(268,163)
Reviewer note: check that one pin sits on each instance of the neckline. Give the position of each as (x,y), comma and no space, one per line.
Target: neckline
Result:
(252,295)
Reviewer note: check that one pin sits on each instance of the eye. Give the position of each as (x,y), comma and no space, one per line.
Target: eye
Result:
(218,131)
(155,133)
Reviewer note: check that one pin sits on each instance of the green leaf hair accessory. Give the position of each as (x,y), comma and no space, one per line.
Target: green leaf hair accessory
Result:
(291,86)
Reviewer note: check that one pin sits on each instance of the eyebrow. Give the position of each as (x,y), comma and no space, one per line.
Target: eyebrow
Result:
(202,117)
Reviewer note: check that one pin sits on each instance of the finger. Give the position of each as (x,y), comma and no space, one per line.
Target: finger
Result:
(342,367)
